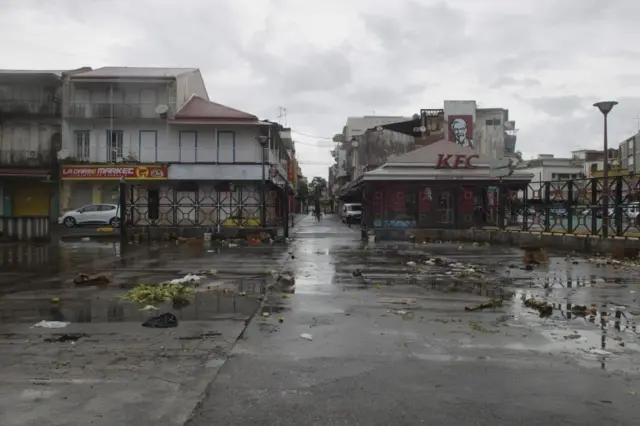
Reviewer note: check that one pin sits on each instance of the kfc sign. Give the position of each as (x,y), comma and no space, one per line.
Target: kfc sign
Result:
(459,161)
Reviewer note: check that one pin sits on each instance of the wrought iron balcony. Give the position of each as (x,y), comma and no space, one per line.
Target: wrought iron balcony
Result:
(115,110)
(26,107)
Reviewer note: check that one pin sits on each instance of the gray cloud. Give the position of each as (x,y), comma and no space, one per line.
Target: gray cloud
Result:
(559,106)
(508,81)
(547,61)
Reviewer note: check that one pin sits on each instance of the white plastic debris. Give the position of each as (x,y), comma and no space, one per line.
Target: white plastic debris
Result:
(149,308)
(51,324)
(189,278)
(600,352)
(85,239)
(306,336)
(412,264)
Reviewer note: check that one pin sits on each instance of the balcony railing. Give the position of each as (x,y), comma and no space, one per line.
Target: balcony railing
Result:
(25,107)
(26,158)
(108,110)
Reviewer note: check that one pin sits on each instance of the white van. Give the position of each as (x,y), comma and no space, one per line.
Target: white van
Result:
(352,211)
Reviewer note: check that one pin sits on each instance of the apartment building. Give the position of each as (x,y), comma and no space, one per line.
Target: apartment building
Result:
(30,118)
(190,161)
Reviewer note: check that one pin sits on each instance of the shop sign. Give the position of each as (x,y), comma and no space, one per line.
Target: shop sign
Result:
(460,161)
(150,172)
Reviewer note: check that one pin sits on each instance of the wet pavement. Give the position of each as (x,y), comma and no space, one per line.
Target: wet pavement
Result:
(104,368)
(378,334)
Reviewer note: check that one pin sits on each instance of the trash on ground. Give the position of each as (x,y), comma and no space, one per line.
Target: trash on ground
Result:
(153,294)
(149,308)
(189,278)
(209,272)
(51,324)
(55,300)
(265,314)
(166,320)
(65,338)
(85,239)
(493,303)
(306,336)
(86,279)
(545,308)
(281,319)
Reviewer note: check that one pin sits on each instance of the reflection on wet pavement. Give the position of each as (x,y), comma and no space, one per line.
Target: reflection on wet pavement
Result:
(27,288)
(330,259)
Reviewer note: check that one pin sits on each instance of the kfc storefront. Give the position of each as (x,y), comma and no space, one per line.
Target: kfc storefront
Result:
(442,185)
(94,184)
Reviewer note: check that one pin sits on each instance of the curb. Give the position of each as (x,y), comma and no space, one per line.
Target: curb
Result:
(247,322)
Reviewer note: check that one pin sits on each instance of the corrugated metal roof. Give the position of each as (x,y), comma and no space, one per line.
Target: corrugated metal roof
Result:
(197,107)
(57,73)
(134,72)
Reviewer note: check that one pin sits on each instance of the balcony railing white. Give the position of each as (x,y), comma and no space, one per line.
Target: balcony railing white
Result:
(109,110)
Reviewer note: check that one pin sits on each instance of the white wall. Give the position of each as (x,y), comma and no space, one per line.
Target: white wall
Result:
(147,141)
(489,137)
(190,84)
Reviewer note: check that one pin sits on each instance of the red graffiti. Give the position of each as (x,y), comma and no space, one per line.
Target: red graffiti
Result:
(459,161)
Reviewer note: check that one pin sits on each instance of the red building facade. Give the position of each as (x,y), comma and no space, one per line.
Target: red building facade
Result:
(442,185)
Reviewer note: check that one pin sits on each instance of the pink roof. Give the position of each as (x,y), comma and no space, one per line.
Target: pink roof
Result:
(429,154)
(197,108)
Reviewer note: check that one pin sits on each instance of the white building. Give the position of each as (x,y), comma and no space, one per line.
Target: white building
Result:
(192,162)
(547,168)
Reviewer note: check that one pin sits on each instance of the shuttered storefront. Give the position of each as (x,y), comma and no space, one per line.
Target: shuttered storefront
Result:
(81,194)
(31,198)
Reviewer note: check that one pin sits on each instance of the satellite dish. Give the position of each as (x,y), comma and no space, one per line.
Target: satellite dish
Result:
(162,109)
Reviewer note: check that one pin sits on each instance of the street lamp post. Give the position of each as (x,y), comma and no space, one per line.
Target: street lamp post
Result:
(264,140)
(605,108)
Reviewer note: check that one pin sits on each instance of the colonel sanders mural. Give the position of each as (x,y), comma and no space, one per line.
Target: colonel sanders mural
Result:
(461,130)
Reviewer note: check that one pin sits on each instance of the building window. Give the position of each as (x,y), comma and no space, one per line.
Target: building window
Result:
(114,145)
(82,145)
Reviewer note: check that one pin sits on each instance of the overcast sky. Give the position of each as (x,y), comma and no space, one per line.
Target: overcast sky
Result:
(547,61)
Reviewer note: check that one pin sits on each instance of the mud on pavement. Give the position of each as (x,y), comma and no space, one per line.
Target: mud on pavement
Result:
(103,367)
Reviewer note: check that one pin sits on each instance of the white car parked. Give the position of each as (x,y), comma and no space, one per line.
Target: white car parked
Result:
(93,214)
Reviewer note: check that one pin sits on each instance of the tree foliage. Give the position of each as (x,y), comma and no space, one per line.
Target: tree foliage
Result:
(317,187)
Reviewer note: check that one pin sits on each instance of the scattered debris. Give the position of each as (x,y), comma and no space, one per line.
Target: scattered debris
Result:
(149,308)
(51,324)
(534,255)
(306,336)
(166,320)
(66,338)
(493,303)
(544,308)
(153,294)
(189,278)
(86,279)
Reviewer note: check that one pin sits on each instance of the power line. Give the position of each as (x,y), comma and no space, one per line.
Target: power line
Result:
(312,136)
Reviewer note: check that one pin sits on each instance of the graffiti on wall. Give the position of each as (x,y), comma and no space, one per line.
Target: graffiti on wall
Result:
(461,130)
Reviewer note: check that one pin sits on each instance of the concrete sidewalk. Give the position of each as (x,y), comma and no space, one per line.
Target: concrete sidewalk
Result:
(396,346)
(105,368)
